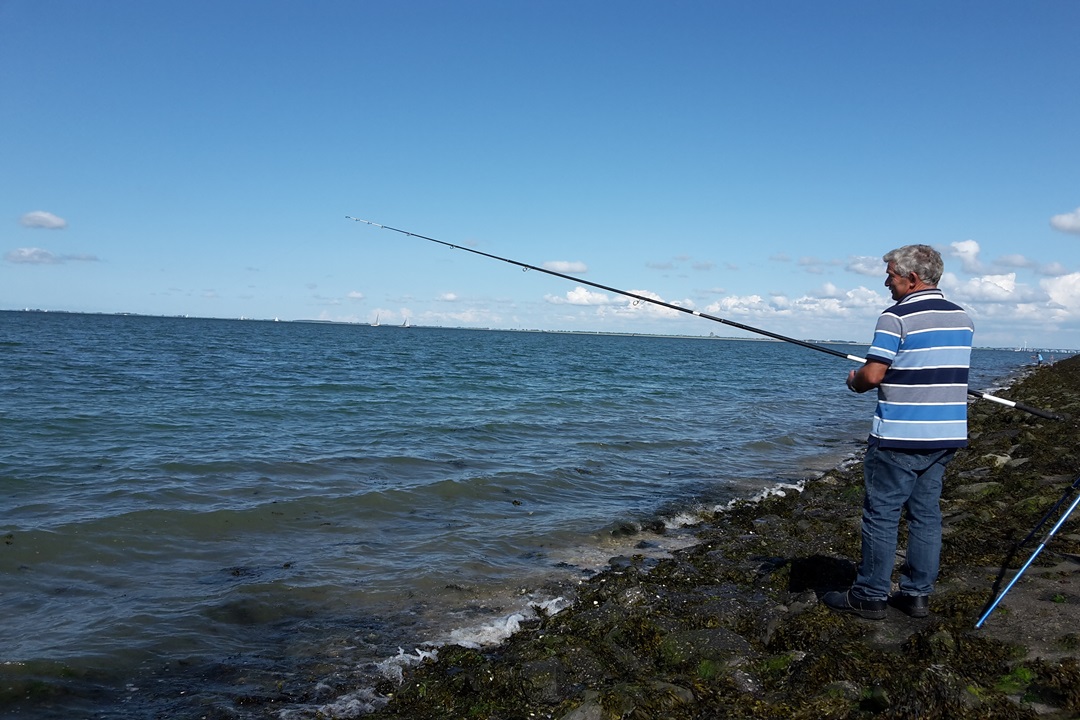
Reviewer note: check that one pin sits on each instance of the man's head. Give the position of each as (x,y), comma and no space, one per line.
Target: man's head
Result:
(912,268)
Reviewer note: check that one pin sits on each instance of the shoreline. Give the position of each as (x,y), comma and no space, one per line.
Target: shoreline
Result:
(732,625)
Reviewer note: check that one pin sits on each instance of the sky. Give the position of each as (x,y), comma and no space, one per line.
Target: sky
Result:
(748,160)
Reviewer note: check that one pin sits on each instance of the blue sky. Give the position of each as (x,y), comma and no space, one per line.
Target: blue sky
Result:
(752,160)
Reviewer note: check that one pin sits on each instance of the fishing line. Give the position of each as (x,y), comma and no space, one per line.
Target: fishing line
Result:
(731,323)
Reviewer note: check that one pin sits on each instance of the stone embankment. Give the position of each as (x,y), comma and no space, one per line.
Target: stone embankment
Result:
(732,627)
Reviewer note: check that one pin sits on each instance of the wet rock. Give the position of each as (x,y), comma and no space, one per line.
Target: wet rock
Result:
(845,689)
(747,683)
(544,680)
(976,491)
(589,709)
(691,647)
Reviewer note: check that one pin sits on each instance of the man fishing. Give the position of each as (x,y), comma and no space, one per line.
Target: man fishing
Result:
(919,364)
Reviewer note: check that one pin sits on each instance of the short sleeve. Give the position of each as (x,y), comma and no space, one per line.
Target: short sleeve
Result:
(887,336)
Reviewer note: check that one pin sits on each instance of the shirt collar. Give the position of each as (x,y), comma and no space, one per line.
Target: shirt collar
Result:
(920,294)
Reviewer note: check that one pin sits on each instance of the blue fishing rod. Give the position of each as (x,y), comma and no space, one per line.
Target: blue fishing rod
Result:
(679,308)
(1061,521)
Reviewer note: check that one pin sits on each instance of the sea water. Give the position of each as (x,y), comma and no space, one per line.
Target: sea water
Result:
(262,519)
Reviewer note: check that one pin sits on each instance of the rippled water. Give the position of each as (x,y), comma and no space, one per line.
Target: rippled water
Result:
(202,514)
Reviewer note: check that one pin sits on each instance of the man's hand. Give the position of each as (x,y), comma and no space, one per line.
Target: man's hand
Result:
(868,377)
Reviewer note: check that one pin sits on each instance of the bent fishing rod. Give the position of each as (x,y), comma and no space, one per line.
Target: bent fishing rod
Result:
(679,308)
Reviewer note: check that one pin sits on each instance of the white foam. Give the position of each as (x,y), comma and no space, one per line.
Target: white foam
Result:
(355,704)
(683,519)
(493,633)
(366,700)
(393,668)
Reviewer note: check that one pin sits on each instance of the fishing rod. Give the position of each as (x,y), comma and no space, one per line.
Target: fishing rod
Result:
(1061,521)
(679,308)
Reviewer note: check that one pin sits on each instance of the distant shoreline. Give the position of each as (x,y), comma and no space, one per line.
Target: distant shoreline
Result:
(711,336)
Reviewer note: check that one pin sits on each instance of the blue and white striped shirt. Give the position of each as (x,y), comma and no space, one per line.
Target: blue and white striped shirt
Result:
(922,400)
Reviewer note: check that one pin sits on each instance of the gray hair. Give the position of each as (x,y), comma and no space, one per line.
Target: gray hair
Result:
(922,260)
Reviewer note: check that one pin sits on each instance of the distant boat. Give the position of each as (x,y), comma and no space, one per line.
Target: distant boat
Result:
(376,323)
(406,323)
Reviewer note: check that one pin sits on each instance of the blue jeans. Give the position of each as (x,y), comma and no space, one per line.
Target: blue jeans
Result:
(899,480)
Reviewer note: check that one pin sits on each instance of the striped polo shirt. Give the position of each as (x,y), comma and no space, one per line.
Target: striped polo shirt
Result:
(922,400)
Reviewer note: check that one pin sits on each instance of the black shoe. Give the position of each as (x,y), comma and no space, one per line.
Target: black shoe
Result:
(917,606)
(843,601)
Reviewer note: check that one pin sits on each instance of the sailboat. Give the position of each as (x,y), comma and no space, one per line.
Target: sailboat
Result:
(376,323)
(406,323)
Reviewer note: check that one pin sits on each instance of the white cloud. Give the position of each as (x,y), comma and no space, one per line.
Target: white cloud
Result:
(643,309)
(1064,291)
(580,296)
(820,307)
(1016,261)
(32,256)
(355,295)
(968,252)
(1067,222)
(37,256)
(566,266)
(859,298)
(992,289)
(812,265)
(829,301)
(828,290)
(473,316)
(743,305)
(862,297)
(840,303)
(449,297)
(1053,269)
(866,265)
(43,220)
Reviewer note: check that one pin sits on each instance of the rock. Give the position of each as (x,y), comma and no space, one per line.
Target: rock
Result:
(542,680)
(690,647)
(589,709)
(676,693)
(845,689)
(977,491)
(747,683)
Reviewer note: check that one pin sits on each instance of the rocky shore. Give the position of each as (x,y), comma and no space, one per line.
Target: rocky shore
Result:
(733,627)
